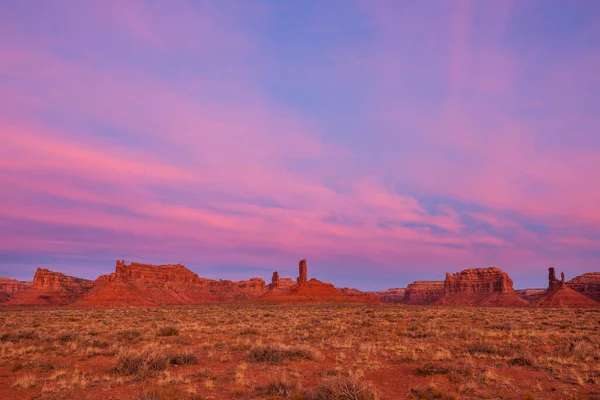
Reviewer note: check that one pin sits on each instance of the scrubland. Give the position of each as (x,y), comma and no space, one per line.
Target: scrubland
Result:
(312,352)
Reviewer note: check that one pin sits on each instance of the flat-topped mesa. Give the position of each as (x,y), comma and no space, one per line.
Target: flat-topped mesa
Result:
(152,274)
(559,294)
(480,287)
(393,295)
(45,279)
(587,284)
(9,288)
(139,284)
(50,288)
(423,292)
(302,275)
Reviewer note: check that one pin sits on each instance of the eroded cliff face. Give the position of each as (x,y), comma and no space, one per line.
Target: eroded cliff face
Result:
(53,289)
(9,288)
(139,284)
(559,294)
(423,292)
(587,284)
(393,295)
(480,287)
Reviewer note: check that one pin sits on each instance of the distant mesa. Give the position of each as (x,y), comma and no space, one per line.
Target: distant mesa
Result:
(587,284)
(312,290)
(147,285)
(423,292)
(9,288)
(52,289)
(559,294)
(393,295)
(480,287)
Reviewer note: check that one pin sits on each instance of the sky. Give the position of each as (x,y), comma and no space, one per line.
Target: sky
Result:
(383,141)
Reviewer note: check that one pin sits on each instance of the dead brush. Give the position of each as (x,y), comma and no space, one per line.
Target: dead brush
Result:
(277,354)
(348,387)
(140,363)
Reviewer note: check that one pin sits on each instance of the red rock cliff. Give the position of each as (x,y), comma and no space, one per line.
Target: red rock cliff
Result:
(139,284)
(423,292)
(587,284)
(559,294)
(480,287)
(393,295)
(53,288)
(9,288)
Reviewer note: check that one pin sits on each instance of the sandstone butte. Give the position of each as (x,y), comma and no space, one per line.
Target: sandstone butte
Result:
(9,288)
(480,287)
(559,294)
(140,285)
(587,284)
(393,295)
(530,294)
(52,288)
(423,292)
(313,290)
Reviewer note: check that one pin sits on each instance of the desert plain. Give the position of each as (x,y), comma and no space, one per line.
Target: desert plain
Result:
(300,351)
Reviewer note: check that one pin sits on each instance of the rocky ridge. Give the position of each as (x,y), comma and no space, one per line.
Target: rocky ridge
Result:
(480,287)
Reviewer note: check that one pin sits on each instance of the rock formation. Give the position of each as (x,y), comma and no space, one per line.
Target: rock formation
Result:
(587,284)
(559,294)
(530,294)
(423,292)
(150,285)
(9,288)
(313,290)
(275,280)
(480,287)
(393,295)
(52,288)
(302,276)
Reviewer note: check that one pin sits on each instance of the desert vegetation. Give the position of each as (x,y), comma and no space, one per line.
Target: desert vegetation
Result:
(313,352)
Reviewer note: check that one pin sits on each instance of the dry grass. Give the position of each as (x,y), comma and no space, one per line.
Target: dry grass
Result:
(310,352)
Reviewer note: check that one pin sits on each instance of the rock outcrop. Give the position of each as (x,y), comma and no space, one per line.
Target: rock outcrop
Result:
(52,289)
(480,287)
(313,290)
(559,294)
(151,285)
(393,295)
(302,275)
(275,280)
(9,288)
(530,294)
(587,284)
(423,292)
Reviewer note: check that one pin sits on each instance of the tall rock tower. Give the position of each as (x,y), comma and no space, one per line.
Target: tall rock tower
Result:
(302,272)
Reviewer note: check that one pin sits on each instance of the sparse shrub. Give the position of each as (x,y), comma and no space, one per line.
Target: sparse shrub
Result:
(483,348)
(249,331)
(129,335)
(431,369)
(521,361)
(432,392)
(168,331)
(183,359)
(345,388)
(15,337)
(279,388)
(277,354)
(140,362)
(100,344)
(27,381)
(67,337)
